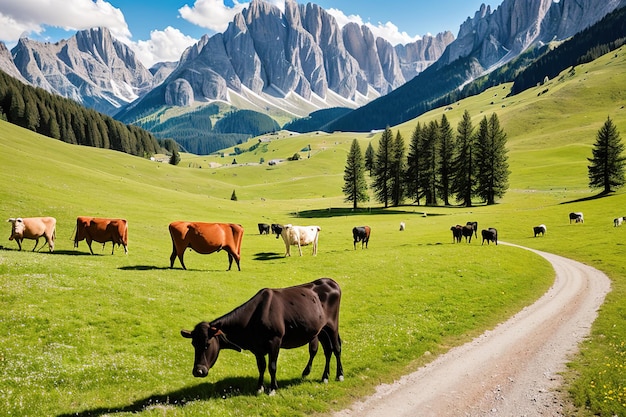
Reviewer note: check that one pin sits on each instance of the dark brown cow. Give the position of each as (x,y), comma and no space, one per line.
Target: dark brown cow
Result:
(274,319)
(361,234)
(101,230)
(457,233)
(467,231)
(206,238)
(475,226)
(490,235)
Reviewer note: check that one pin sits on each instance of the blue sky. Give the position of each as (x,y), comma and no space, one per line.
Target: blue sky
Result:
(159,30)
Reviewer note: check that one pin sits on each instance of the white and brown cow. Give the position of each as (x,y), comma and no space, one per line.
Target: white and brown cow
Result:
(33,228)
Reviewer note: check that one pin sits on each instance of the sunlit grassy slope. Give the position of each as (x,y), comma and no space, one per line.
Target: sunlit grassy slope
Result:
(94,335)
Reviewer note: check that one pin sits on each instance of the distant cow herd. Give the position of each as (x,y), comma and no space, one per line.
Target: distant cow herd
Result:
(306,314)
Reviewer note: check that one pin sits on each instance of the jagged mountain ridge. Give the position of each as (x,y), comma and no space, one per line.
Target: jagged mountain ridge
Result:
(91,68)
(485,42)
(298,60)
(309,59)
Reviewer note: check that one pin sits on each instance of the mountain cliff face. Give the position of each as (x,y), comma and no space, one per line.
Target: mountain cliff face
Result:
(298,61)
(286,57)
(485,42)
(496,37)
(91,68)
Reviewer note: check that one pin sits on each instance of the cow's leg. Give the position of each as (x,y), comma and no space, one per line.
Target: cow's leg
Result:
(261,364)
(331,342)
(273,365)
(19,243)
(36,243)
(313,346)
(300,248)
(88,240)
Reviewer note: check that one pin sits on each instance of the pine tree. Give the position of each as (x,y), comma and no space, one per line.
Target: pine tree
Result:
(491,154)
(446,152)
(382,168)
(608,162)
(413,174)
(430,163)
(397,170)
(369,158)
(355,187)
(464,167)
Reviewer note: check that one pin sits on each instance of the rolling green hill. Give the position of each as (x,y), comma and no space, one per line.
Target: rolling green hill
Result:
(95,335)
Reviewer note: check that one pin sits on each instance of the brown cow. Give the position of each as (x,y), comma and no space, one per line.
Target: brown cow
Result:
(274,319)
(206,238)
(33,228)
(101,230)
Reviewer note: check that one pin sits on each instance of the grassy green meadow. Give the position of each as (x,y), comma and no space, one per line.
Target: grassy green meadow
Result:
(99,335)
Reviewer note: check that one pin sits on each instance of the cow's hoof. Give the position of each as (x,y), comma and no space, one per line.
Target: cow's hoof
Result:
(259,391)
(340,378)
(272,393)
(325,380)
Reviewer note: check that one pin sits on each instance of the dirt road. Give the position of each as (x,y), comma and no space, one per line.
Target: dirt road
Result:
(512,370)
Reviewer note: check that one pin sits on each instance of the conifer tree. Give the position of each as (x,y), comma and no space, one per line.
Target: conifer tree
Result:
(382,168)
(397,170)
(413,174)
(446,151)
(491,154)
(464,166)
(369,158)
(606,169)
(355,187)
(430,162)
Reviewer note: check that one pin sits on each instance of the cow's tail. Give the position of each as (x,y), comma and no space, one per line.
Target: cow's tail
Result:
(74,235)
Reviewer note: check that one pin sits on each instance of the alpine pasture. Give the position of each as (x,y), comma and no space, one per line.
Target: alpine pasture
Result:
(99,334)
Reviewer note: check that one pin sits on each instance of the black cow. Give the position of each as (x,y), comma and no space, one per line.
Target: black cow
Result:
(474,226)
(361,234)
(273,319)
(277,229)
(457,233)
(540,230)
(264,228)
(490,235)
(467,232)
(577,217)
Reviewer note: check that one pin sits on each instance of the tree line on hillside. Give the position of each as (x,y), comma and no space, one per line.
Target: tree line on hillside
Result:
(64,119)
(440,165)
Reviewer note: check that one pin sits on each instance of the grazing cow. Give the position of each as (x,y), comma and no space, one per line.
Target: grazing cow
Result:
(361,234)
(467,231)
(101,230)
(264,228)
(577,217)
(300,236)
(206,238)
(474,226)
(33,228)
(490,235)
(540,230)
(274,319)
(457,233)
(277,229)
(618,221)
(402,226)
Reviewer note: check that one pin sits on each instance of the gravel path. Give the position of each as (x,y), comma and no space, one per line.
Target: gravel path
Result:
(512,370)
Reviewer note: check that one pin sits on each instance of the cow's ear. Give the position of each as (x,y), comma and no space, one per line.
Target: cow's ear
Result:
(186,334)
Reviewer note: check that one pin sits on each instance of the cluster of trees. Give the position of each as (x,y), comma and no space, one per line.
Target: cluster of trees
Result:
(440,165)
(68,121)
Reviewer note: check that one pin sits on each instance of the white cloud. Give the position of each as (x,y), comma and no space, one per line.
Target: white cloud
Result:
(215,15)
(387,31)
(164,45)
(211,14)
(24,17)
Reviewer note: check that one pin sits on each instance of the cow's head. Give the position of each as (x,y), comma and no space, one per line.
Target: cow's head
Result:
(207,342)
(17,228)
